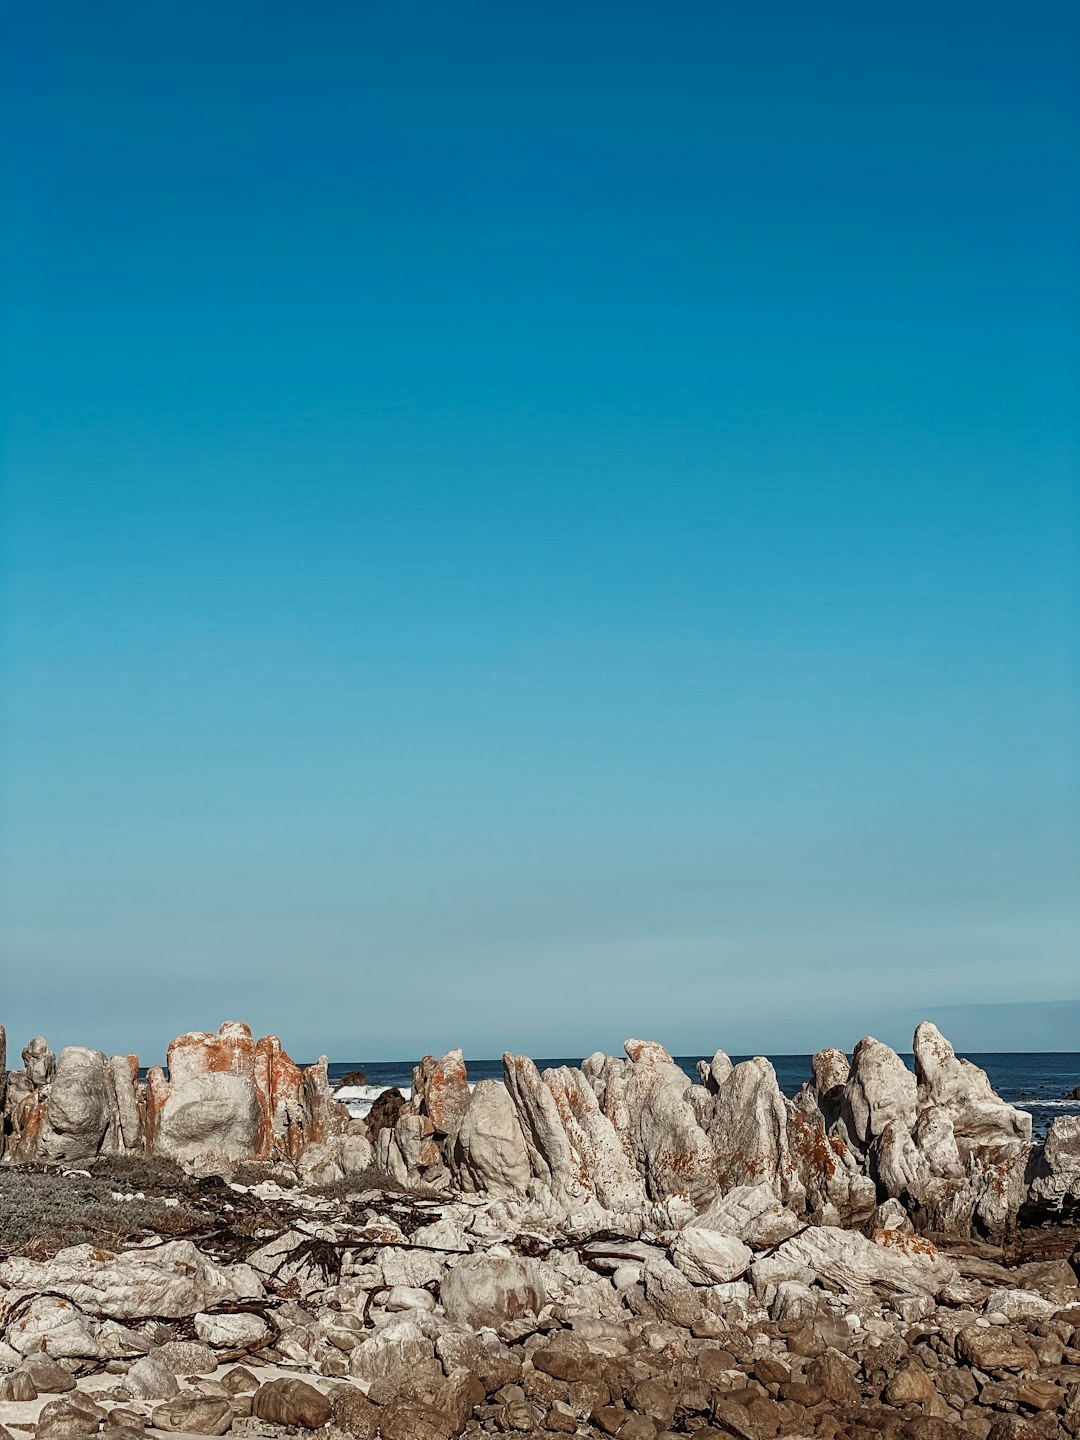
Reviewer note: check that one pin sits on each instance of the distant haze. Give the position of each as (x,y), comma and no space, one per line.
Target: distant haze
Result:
(524,526)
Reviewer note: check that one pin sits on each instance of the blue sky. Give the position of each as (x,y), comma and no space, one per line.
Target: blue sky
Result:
(528,525)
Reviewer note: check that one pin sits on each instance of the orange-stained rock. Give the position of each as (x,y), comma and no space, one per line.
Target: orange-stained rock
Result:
(280,1087)
(231,1050)
(154,1097)
(441,1088)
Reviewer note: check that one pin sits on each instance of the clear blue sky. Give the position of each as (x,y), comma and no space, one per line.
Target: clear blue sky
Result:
(524,525)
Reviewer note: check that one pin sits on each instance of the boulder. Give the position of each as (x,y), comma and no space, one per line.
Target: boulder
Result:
(892,1264)
(751,1213)
(39,1062)
(73,1415)
(235,1331)
(194,1414)
(486,1290)
(880,1090)
(56,1325)
(647,1103)
(77,1112)
(148,1379)
(292,1402)
(1055,1185)
(749,1133)
(441,1091)
(171,1280)
(489,1154)
(706,1257)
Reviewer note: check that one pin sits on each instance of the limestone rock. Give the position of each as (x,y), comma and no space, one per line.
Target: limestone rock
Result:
(489,1154)
(292,1402)
(56,1325)
(77,1112)
(896,1264)
(750,1132)
(232,1331)
(487,1290)
(1056,1182)
(39,1062)
(148,1379)
(880,1090)
(751,1213)
(194,1414)
(706,1257)
(669,1147)
(441,1091)
(73,1415)
(171,1280)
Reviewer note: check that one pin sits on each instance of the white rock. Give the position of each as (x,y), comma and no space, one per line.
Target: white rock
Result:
(1018,1305)
(171,1280)
(489,1153)
(56,1325)
(231,1330)
(900,1265)
(751,1213)
(484,1290)
(706,1257)
(148,1379)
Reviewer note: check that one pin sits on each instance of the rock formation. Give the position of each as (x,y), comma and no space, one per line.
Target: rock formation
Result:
(864,1143)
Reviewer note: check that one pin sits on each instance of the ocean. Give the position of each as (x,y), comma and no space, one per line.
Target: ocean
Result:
(1035,1081)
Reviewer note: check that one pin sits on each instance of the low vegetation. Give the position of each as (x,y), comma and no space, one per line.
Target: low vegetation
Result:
(41,1211)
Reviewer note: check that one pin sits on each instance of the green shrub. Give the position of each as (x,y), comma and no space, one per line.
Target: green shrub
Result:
(48,1211)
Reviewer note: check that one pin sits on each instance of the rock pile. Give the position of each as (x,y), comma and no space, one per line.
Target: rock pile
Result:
(425,1318)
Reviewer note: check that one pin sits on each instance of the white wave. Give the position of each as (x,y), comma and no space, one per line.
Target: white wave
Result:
(1046,1104)
(358,1099)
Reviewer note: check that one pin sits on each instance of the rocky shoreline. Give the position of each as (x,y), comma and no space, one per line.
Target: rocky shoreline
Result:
(598,1250)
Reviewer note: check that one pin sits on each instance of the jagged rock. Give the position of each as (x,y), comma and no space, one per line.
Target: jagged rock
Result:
(171,1280)
(489,1153)
(750,1132)
(487,1290)
(594,1142)
(56,1325)
(392,1353)
(232,1331)
(441,1091)
(73,1415)
(48,1376)
(1056,1181)
(647,1104)
(148,1379)
(706,1257)
(39,1062)
(896,1264)
(551,1158)
(77,1112)
(122,1079)
(751,1213)
(880,1090)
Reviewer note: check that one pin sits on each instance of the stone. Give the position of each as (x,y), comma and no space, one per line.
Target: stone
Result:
(232,1331)
(489,1154)
(909,1385)
(749,1132)
(48,1375)
(148,1379)
(173,1280)
(658,1125)
(706,1257)
(1018,1305)
(51,1322)
(880,1090)
(441,1090)
(392,1353)
(239,1381)
(186,1357)
(992,1347)
(892,1264)
(292,1402)
(77,1111)
(487,1290)
(1056,1182)
(752,1214)
(71,1416)
(39,1062)
(18,1386)
(353,1412)
(194,1414)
